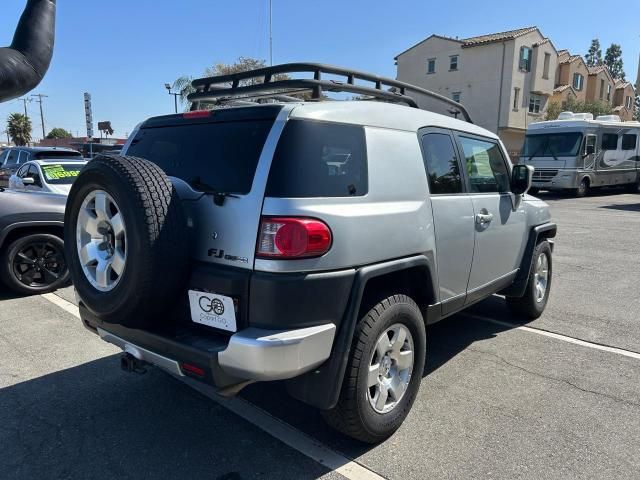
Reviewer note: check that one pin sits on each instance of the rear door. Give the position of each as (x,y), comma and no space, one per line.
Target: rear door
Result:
(223,151)
(453,217)
(500,221)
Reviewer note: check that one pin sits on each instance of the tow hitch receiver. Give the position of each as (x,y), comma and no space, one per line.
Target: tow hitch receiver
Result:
(131,364)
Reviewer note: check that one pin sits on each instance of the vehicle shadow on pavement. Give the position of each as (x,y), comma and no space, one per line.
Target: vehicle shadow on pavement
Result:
(94,421)
(629,207)
(445,340)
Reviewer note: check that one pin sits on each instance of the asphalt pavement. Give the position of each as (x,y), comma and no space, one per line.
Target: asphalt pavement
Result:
(497,401)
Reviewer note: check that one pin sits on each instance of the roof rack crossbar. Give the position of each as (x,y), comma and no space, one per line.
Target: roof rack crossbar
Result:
(275,81)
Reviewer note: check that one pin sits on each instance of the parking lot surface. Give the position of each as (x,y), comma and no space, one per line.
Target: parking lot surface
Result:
(497,401)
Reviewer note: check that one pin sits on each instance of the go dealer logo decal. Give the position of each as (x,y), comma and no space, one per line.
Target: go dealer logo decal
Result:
(209,305)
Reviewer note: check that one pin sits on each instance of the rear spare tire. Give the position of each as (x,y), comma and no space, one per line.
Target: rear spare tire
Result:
(126,242)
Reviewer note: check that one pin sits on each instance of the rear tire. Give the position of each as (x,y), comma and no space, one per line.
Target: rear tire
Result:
(361,413)
(34,264)
(531,305)
(148,240)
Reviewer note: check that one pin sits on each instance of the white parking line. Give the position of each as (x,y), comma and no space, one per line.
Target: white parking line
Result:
(557,336)
(275,427)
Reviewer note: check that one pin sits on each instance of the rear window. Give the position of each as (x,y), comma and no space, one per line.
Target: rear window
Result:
(317,159)
(56,154)
(219,157)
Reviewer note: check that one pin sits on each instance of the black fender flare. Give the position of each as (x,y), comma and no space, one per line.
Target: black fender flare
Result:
(517,288)
(321,387)
(8,228)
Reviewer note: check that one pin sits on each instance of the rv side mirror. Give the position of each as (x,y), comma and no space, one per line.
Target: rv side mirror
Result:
(521,178)
(590,150)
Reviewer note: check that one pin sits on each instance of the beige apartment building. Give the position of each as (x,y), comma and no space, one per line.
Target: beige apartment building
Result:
(503,79)
(624,99)
(572,72)
(600,85)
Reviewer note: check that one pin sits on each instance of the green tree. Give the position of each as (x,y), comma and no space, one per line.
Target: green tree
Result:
(572,105)
(19,128)
(58,133)
(613,60)
(594,55)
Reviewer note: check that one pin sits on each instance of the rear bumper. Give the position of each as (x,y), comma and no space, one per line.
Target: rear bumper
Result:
(251,354)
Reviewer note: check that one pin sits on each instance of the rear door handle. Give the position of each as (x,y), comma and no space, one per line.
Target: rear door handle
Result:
(483,218)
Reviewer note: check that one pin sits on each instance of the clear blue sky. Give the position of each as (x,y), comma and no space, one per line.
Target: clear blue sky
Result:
(123,51)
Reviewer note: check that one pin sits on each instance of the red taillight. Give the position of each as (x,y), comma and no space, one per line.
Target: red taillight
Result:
(197,114)
(292,238)
(192,369)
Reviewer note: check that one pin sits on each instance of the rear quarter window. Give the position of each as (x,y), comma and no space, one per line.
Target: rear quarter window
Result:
(319,159)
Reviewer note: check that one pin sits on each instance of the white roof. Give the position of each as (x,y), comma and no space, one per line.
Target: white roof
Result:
(383,115)
(577,124)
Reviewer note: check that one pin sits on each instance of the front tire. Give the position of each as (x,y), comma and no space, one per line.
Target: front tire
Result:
(536,295)
(384,371)
(583,189)
(34,264)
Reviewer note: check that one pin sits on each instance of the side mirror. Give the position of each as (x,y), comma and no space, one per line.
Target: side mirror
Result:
(521,178)
(28,181)
(590,150)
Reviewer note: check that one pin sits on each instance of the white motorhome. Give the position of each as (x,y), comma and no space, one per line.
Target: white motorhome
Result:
(578,153)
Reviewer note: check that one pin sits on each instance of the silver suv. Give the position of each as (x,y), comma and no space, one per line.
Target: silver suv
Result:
(307,241)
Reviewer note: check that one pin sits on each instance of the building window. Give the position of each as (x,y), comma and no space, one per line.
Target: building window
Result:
(545,69)
(609,92)
(601,89)
(431,65)
(525,59)
(455,96)
(516,98)
(628,102)
(535,102)
(453,62)
(578,81)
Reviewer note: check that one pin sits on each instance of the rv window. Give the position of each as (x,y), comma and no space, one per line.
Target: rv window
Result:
(629,141)
(609,141)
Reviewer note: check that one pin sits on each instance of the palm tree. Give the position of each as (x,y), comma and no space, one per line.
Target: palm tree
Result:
(19,128)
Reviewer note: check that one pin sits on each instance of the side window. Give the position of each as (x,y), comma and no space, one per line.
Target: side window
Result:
(318,159)
(22,172)
(443,168)
(609,141)
(35,174)
(629,141)
(12,159)
(485,166)
(3,157)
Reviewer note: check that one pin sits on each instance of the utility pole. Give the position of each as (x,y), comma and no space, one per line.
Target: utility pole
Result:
(40,97)
(271,32)
(25,100)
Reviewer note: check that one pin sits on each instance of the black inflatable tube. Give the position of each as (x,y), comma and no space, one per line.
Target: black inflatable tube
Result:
(24,63)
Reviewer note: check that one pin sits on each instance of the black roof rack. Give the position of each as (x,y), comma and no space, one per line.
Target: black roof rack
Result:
(268,82)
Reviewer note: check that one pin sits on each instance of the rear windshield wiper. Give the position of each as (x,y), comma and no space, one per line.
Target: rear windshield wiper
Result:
(218,197)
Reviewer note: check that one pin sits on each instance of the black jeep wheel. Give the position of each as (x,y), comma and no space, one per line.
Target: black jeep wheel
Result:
(34,264)
(127,243)
(384,371)
(531,305)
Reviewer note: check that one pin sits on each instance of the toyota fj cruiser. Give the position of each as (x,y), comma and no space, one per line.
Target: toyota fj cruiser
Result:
(270,238)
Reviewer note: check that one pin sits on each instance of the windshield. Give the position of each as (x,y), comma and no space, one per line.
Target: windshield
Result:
(215,156)
(61,174)
(552,144)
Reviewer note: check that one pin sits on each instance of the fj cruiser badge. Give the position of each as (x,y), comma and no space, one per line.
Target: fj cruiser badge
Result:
(218,253)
